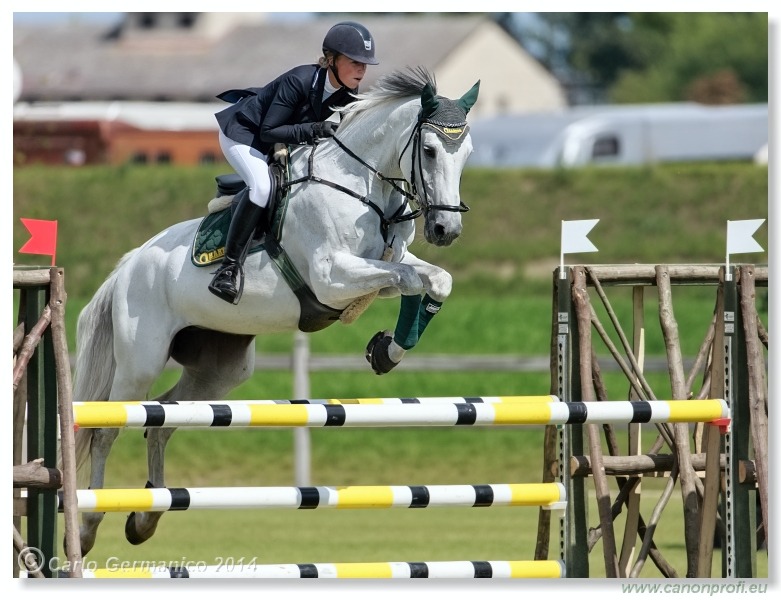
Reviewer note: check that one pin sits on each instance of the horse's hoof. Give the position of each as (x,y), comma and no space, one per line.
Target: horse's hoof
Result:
(86,543)
(377,352)
(131,532)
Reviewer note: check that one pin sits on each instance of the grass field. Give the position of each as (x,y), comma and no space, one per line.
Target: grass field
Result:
(501,303)
(390,457)
(404,456)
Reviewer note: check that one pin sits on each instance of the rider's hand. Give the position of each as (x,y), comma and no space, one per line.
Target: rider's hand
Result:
(324,129)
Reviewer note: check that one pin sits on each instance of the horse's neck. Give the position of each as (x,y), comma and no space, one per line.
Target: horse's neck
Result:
(377,137)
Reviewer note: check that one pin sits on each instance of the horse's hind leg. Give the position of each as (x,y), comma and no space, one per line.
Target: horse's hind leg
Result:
(214,363)
(132,380)
(139,527)
(102,440)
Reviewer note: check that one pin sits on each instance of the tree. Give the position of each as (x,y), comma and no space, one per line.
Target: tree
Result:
(651,57)
(707,57)
(583,50)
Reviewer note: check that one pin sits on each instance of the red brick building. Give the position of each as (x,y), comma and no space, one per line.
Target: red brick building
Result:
(116,133)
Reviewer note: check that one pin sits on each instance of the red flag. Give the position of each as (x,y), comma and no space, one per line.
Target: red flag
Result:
(43,238)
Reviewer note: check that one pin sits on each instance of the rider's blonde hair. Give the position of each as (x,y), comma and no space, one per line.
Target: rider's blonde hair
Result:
(325,60)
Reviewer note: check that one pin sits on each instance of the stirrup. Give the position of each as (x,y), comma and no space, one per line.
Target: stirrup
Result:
(228,295)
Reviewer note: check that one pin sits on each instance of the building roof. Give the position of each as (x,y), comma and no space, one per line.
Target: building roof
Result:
(165,116)
(76,61)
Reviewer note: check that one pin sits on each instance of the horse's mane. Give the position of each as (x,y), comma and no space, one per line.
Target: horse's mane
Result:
(401,84)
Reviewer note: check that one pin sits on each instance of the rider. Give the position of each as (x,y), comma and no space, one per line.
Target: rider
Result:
(292,109)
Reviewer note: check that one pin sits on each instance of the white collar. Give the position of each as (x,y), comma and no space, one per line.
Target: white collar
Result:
(328,89)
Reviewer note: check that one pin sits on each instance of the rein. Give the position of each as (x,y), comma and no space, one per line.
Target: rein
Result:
(385,222)
(397,217)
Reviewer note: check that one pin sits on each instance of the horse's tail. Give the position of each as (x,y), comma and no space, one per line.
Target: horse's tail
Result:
(95,364)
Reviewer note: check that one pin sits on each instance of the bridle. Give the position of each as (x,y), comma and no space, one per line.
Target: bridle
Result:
(416,141)
(408,189)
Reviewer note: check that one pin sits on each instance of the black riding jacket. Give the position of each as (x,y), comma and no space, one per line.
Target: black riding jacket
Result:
(282,111)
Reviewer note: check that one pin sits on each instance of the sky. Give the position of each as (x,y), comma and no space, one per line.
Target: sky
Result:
(83,8)
(44,18)
(58,17)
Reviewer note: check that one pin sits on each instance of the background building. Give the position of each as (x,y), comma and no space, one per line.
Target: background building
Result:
(144,90)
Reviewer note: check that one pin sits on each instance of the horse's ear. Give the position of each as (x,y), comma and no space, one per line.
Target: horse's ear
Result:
(428,101)
(468,100)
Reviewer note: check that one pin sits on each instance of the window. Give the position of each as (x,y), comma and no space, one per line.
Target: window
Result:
(605,146)
(207,158)
(139,158)
(147,20)
(164,157)
(186,20)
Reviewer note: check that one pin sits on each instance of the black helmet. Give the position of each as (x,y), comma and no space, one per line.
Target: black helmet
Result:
(353,40)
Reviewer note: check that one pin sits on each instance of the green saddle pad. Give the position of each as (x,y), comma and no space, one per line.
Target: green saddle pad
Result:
(209,242)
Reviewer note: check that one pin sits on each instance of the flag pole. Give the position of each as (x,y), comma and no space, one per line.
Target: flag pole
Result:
(562,275)
(727,274)
(740,240)
(574,239)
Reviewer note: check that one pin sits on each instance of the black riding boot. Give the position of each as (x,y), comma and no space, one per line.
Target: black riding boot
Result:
(245,219)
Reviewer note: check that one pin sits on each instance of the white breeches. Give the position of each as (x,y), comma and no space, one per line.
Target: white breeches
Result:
(251,166)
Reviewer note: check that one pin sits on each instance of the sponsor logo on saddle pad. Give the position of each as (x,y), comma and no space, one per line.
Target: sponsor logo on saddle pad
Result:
(207,258)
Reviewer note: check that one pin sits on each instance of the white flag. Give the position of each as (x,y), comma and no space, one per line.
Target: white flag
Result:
(573,236)
(740,236)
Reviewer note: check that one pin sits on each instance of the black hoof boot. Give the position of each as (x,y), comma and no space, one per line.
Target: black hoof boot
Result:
(377,352)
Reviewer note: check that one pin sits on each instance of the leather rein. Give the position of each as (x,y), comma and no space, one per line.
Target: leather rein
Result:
(398,216)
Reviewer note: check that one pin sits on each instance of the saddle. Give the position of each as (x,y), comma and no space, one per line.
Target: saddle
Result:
(209,242)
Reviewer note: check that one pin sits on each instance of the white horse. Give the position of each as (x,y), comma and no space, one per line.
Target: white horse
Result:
(346,235)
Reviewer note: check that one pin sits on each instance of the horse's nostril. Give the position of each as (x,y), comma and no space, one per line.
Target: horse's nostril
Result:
(439,231)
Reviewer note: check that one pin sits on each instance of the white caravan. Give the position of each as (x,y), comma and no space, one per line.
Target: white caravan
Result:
(621,135)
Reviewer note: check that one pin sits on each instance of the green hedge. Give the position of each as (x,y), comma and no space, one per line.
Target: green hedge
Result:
(662,214)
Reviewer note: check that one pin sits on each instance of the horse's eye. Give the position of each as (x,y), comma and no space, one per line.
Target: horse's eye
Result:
(429,151)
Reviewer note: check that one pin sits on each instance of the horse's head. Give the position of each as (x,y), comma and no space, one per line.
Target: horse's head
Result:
(430,150)
(435,157)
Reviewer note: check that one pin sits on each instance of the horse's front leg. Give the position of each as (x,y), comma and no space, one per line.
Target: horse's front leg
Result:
(386,349)
(437,281)
(343,277)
